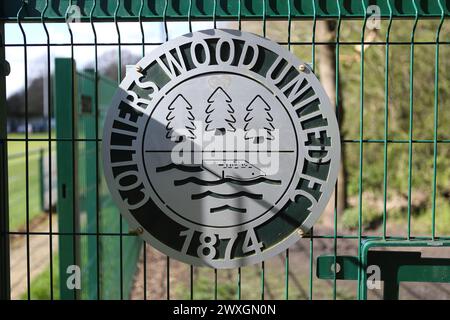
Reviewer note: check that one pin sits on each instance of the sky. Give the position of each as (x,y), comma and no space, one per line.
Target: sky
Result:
(82,33)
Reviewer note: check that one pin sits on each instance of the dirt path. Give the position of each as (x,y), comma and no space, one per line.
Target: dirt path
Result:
(155,283)
(39,253)
(299,270)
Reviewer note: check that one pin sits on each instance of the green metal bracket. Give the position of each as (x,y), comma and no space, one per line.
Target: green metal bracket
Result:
(395,266)
(348,267)
(156,10)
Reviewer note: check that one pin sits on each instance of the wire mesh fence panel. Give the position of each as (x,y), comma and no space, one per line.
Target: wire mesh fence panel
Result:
(384,65)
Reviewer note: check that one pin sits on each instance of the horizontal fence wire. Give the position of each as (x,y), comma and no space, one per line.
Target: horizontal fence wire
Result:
(164,13)
(283,43)
(344,140)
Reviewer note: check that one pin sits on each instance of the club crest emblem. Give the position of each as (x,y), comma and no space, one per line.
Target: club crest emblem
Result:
(220,148)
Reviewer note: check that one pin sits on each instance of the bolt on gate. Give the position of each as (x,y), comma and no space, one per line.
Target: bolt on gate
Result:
(389,88)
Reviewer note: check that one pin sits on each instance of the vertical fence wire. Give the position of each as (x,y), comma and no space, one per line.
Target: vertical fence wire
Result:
(73,140)
(97,178)
(119,78)
(239,269)
(262,274)
(191,269)
(164,20)
(361,138)
(286,257)
(386,121)
(5,269)
(166,31)
(264,16)
(190,16)
(215,14)
(144,249)
(338,115)
(49,113)
(436,122)
(239,283)
(27,187)
(411,115)
(215,284)
(145,268)
(167,278)
(311,235)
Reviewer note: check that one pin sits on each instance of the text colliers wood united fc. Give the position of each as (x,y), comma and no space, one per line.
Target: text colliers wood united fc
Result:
(221,147)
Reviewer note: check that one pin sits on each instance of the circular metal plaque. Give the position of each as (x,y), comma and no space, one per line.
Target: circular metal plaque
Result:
(221,147)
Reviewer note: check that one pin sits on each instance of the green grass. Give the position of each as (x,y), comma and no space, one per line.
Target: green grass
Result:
(204,289)
(15,147)
(227,288)
(40,285)
(18,181)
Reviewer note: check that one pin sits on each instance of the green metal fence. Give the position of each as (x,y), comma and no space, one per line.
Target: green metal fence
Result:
(101,242)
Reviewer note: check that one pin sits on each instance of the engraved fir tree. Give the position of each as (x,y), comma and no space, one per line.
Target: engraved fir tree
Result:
(180,120)
(258,121)
(219,112)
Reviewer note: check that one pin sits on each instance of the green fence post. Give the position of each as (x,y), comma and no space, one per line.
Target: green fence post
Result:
(4,214)
(67,206)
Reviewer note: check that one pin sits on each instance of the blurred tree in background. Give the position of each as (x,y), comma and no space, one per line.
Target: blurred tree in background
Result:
(398,119)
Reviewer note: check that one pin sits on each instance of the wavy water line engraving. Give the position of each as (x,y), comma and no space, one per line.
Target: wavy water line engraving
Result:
(201,182)
(227,207)
(205,194)
(179,167)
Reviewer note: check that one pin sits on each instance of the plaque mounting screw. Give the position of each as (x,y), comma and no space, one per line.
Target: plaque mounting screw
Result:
(302,67)
(136,231)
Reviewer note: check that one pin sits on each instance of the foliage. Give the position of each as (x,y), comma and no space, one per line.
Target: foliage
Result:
(399,114)
(400,121)
(398,99)
(204,289)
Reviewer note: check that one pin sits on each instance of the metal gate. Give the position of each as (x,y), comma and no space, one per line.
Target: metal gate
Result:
(91,233)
